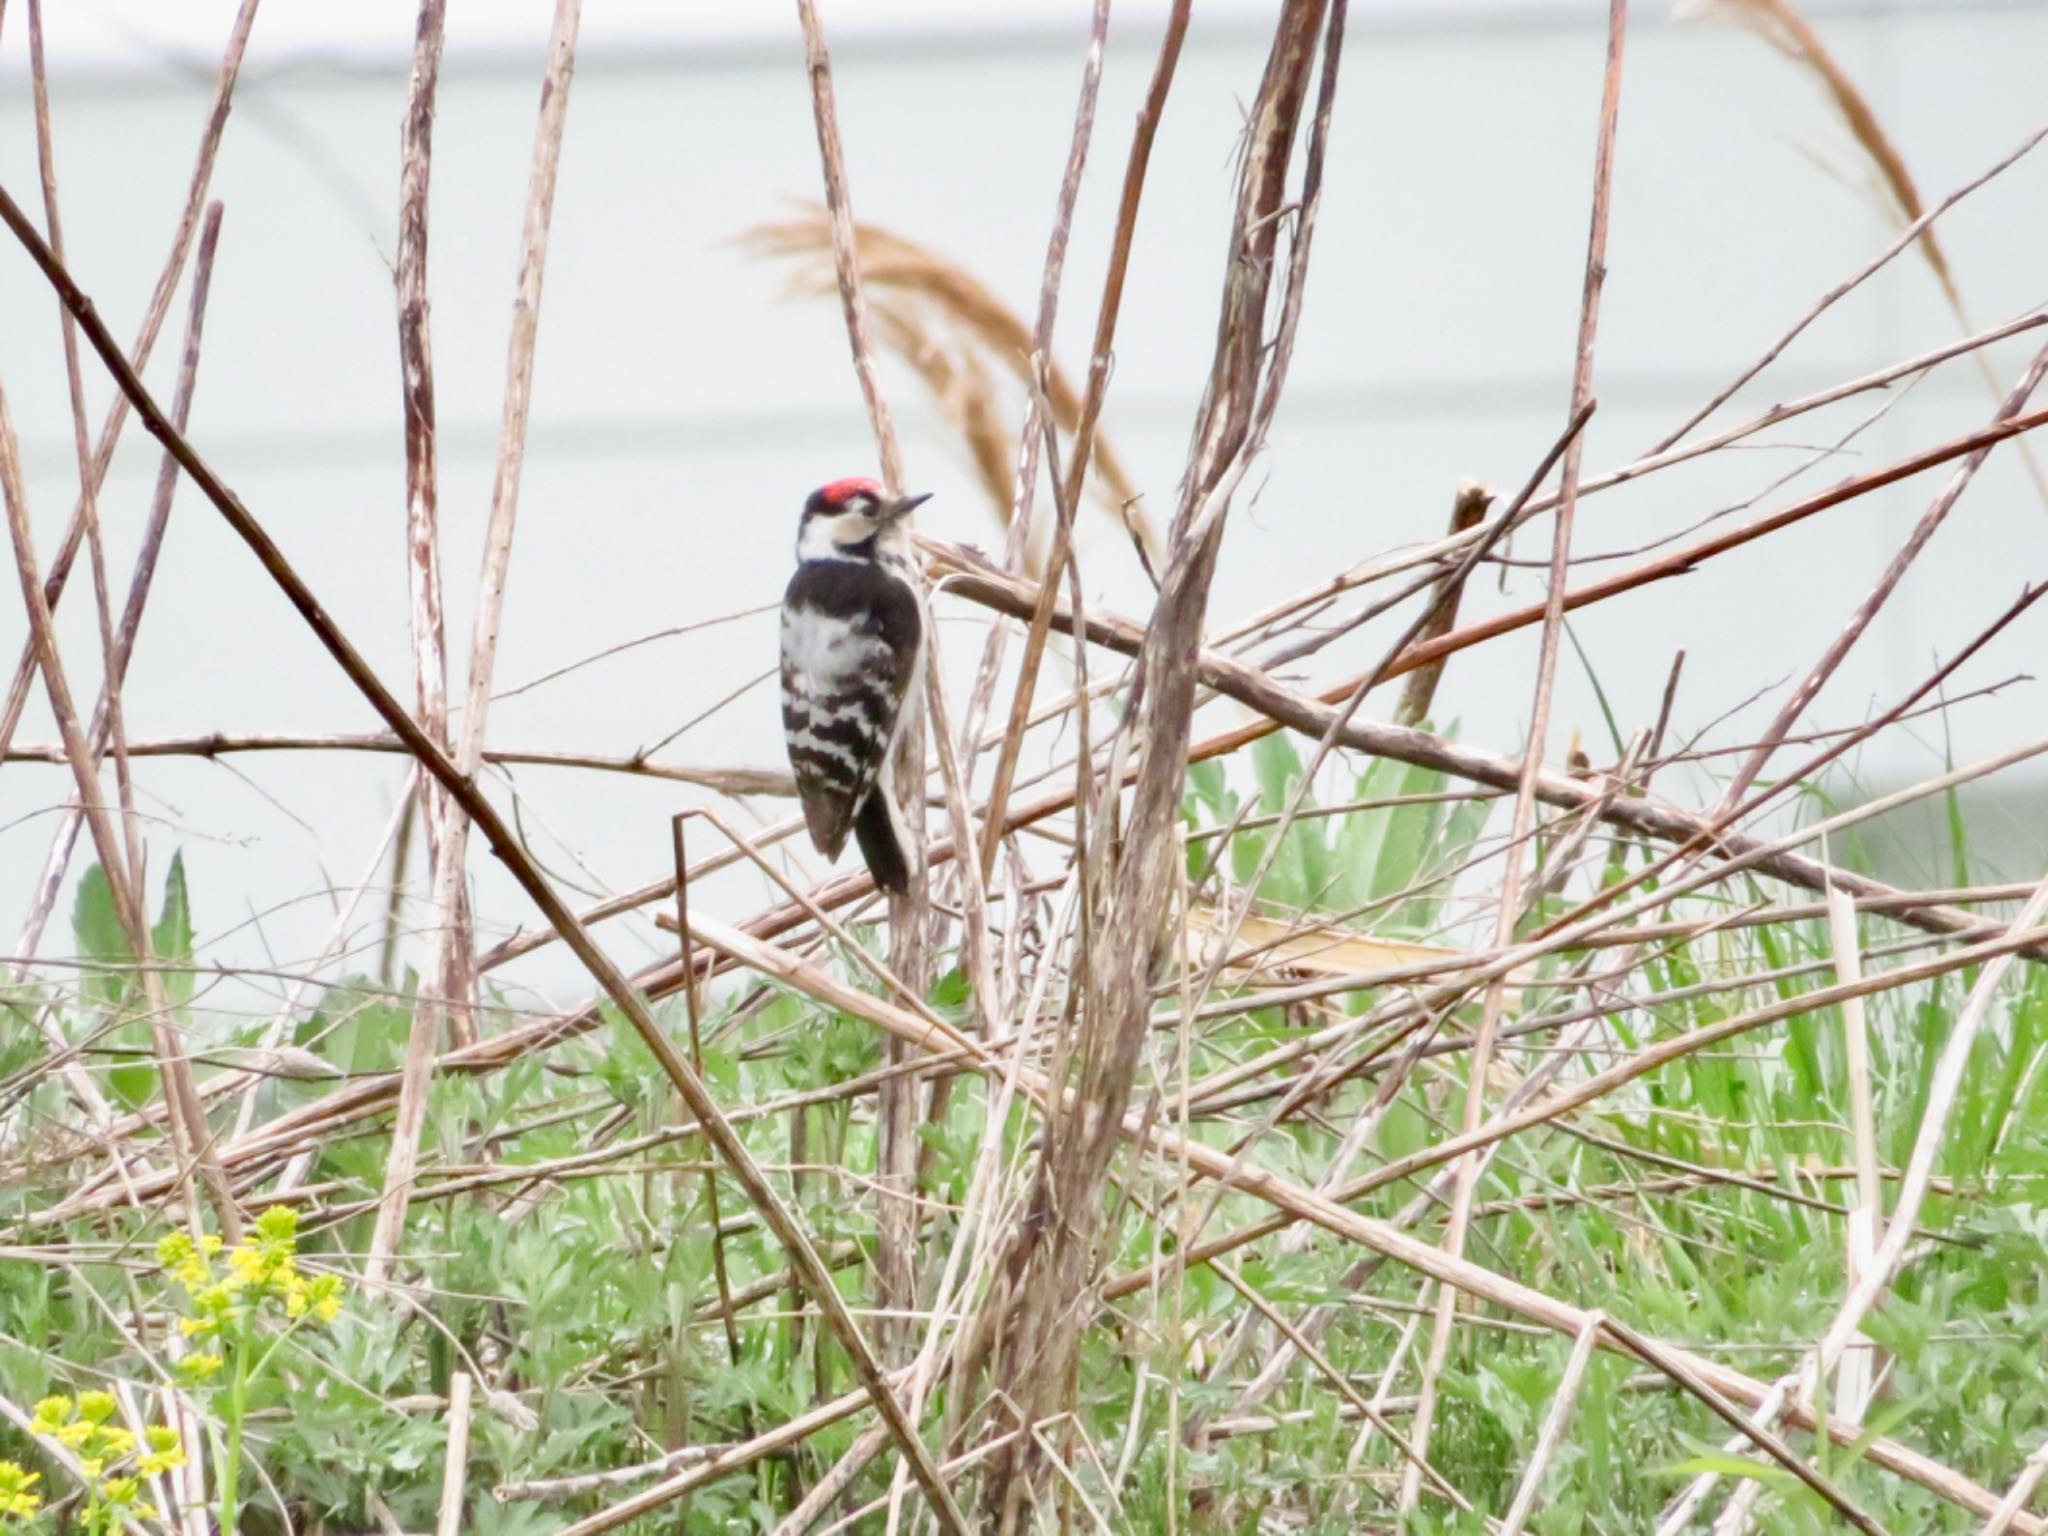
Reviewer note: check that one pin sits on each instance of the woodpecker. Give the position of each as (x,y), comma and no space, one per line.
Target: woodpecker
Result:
(852,650)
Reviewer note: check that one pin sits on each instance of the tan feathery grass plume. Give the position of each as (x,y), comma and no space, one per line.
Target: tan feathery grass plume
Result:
(954,332)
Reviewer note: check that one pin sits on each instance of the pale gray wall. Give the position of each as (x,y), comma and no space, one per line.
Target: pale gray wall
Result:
(683,407)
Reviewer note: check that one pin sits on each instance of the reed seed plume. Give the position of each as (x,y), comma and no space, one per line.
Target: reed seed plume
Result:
(938,316)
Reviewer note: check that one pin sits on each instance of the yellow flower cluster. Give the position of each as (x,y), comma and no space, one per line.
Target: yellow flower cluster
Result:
(264,1267)
(85,1426)
(18,1501)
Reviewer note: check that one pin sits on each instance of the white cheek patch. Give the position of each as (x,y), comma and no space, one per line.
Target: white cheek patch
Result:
(828,537)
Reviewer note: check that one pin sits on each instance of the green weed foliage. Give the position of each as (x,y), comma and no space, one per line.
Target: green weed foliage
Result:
(560,1247)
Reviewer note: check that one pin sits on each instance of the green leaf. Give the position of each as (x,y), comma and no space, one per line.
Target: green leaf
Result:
(1299,867)
(97,928)
(1361,834)
(171,938)
(1210,790)
(1409,842)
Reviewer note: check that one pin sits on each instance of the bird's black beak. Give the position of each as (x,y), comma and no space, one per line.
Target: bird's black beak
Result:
(903,506)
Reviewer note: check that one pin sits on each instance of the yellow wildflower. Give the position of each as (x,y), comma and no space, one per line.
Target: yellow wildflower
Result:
(156,1463)
(165,1451)
(325,1294)
(50,1413)
(96,1407)
(16,1500)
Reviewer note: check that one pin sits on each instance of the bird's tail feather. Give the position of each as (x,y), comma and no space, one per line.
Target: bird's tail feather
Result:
(882,843)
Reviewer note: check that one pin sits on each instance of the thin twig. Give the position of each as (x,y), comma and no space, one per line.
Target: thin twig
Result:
(628,999)
(1906,237)
(772,782)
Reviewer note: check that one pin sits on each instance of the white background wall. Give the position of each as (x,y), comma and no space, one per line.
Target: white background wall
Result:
(683,406)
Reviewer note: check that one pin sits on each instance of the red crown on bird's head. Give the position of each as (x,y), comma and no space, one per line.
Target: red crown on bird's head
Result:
(839,492)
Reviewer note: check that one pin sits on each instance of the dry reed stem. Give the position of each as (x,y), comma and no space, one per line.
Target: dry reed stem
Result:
(451,904)
(792,1432)
(65,838)
(1020,516)
(1467,512)
(630,1001)
(455,1459)
(1037,412)
(1866,1218)
(1555,1423)
(1023,497)
(80,1084)
(1035,636)
(1752,1429)
(188,1125)
(190,1144)
(88,497)
(429,637)
(452,957)
(2017,1497)
(145,341)
(1052,1257)
(895,1275)
(140,580)
(106,728)
(1508,905)
(1089,450)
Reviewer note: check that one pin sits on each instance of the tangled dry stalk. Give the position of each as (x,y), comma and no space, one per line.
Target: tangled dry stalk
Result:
(1116,928)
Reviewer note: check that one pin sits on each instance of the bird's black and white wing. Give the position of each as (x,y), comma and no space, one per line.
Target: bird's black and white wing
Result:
(852,636)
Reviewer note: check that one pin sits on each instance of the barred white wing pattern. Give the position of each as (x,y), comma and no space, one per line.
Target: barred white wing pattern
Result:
(851,636)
